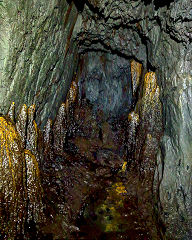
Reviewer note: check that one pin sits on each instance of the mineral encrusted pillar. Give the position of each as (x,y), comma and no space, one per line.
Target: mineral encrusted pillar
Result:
(12,179)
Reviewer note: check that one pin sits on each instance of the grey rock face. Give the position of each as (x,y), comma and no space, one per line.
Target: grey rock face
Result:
(174,160)
(4,49)
(106,83)
(40,56)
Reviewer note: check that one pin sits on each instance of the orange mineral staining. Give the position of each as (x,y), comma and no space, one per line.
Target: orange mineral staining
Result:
(151,96)
(73,91)
(150,84)
(20,184)
(133,117)
(71,97)
(150,129)
(11,180)
(136,73)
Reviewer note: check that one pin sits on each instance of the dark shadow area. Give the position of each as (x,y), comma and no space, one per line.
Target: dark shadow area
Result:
(107,49)
(158,3)
(147,2)
(162,3)
(94,9)
(79,4)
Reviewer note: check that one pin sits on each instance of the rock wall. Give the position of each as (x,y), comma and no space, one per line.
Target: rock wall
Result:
(105,80)
(39,57)
(174,159)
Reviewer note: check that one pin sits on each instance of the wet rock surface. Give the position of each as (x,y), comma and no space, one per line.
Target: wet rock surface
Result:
(12,201)
(106,82)
(21,203)
(38,45)
(106,188)
(91,178)
(90,184)
(40,42)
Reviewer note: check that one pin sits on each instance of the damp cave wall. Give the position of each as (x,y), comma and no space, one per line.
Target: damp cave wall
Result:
(38,55)
(40,43)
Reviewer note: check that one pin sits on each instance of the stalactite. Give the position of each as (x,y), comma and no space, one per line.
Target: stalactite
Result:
(151,108)
(73,92)
(70,104)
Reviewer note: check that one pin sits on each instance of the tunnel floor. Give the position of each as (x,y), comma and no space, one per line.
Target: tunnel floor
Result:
(97,184)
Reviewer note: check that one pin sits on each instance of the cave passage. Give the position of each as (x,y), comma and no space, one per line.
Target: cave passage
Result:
(89,173)
(96,120)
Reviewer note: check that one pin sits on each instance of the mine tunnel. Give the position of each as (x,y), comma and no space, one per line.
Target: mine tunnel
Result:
(96,120)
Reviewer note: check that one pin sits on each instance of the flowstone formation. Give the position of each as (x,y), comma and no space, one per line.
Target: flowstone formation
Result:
(20,184)
(11,183)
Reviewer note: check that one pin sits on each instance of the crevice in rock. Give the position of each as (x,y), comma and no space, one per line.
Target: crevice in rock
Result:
(78,4)
(159,4)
